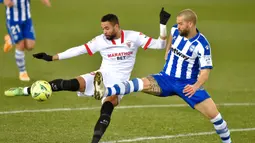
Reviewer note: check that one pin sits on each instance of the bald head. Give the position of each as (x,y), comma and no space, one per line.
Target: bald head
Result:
(188,15)
(186,21)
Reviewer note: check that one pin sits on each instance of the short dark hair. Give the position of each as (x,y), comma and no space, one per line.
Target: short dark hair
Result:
(111,18)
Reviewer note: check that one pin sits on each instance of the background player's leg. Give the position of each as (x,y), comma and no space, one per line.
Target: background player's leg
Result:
(209,109)
(27,30)
(29,34)
(20,60)
(16,33)
(105,117)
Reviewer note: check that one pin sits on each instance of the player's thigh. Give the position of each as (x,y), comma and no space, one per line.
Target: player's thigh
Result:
(16,32)
(158,85)
(151,86)
(199,96)
(87,87)
(207,108)
(29,34)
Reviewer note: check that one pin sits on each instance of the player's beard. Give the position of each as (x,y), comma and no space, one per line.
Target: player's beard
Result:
(110,37)
(184,32)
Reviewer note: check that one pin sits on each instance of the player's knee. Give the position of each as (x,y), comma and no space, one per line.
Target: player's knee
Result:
(146,83)
(29,48)
(113,99)
(208,108)
(82,83)
(107,108)
(21,45)
(30,45)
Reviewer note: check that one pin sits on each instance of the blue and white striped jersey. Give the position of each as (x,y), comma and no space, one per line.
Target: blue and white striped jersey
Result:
(187,56)
(19,12)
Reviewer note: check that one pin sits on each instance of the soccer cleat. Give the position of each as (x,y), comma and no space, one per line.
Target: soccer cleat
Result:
(7,44)
(23,76)
(99,87)
(17,91)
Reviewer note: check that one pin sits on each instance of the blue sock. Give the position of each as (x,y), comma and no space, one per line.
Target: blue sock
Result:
(221,128)
(20,60)
(126,87)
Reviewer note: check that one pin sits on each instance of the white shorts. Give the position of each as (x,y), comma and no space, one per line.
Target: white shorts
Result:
(109,80)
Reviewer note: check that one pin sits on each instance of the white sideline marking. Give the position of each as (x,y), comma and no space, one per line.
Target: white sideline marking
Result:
(120,107)
(176,136)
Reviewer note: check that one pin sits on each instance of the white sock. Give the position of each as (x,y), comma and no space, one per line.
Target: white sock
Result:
(221,128)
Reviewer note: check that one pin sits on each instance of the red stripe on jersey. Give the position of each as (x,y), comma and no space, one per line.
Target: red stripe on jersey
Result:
(88,50)
(113,42)
(147,44)
(122,36)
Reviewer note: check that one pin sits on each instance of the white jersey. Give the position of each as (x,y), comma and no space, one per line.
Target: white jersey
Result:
(118,55)
(187,56)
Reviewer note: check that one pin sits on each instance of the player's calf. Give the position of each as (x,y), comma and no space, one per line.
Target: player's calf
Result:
(20,61)
(209,109)
(103,121)
(61,85)
(221,128)
(56,85)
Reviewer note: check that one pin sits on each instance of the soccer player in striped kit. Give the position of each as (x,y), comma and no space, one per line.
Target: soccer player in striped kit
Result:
(187,68)
(21,31)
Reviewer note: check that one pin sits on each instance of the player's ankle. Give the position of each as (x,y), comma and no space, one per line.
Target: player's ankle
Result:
(26,90)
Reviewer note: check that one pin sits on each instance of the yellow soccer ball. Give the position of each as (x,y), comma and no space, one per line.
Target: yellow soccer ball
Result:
(41,90)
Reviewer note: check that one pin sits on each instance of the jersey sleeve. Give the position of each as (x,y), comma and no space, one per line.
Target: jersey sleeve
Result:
(143,40)
(92,46)
(205,58)
(1,1)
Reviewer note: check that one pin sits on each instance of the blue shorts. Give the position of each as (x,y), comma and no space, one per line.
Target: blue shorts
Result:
(20,30)
(174,86)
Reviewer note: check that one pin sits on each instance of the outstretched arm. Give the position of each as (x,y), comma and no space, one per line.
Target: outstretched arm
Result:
(72,52)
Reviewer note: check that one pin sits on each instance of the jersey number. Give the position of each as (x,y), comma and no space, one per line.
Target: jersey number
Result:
(15,29)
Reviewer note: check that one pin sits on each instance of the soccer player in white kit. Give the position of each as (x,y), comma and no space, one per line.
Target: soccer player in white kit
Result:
(118,49)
